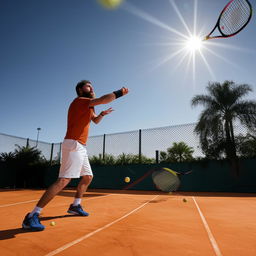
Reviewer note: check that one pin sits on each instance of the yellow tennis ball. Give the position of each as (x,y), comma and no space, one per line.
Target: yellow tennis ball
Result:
(127,179)
(110,4)
(52,223)
(184,200)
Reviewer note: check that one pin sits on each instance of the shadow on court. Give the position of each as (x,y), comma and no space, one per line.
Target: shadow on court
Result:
(58,217)
(72,194)
(156,201)
(11,233)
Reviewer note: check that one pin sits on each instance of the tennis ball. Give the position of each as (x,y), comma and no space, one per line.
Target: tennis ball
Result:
(184,200)
(52,223)
(110,4)
(127,179)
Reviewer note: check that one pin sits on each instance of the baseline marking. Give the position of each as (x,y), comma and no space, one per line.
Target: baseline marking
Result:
(66,246)
(25,202)
(210,235)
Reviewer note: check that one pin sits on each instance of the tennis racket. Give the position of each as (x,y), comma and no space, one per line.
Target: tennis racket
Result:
(233,18)
(166,179)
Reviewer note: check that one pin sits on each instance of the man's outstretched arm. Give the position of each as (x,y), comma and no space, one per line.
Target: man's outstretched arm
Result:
(105,99)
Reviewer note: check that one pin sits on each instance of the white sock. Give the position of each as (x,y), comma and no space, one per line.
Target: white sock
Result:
(77,201)
(36,209)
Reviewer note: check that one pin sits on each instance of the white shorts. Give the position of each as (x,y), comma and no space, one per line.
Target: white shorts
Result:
(75,161)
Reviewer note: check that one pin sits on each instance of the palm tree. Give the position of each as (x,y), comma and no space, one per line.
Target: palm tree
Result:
(28,165)
(224,105)
(179,152)
(7,157)
(27,156)
(246,146)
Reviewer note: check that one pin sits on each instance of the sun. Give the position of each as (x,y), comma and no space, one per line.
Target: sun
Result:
(193,43)
(188,46)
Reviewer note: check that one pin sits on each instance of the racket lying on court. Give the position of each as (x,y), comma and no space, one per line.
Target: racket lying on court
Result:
(233,18)
(166,179)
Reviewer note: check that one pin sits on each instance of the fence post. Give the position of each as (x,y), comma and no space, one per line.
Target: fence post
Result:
(104,145)
(51,153)
(139,145)
(157,156)
(60,153)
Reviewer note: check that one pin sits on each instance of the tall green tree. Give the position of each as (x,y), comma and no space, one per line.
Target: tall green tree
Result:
(223,106)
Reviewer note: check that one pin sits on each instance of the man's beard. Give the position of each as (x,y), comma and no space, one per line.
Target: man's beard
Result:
(90,95)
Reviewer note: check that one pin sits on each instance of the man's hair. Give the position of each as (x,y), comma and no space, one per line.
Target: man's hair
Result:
(80,85)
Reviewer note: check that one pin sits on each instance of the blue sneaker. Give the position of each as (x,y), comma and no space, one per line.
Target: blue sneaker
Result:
(33,223)
(77,210)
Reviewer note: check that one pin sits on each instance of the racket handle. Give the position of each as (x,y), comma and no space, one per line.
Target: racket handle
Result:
(184,173)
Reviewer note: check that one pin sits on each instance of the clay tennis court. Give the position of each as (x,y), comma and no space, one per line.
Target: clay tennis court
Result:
(132,223)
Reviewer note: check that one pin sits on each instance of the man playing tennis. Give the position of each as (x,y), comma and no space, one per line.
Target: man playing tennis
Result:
(75,162)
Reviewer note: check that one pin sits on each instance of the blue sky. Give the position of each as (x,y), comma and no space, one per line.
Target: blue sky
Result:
(46,47)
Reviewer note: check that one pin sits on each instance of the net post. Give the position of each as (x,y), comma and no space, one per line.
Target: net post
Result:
(60,153)
(104,146)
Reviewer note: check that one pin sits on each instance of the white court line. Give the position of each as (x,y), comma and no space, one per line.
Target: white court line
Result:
(25,202)
(66,246)
(210,235)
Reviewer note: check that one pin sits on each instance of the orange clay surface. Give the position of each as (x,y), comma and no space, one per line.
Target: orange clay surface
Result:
(131,223)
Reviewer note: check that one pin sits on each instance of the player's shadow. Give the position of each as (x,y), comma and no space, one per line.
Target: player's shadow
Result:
(11,233)
(58,217)
(72,194)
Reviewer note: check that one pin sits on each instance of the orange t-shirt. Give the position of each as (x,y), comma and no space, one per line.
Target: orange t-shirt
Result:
(79,118)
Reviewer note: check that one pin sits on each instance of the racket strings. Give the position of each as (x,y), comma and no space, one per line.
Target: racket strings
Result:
(234,20)
(165,180)
(235,17)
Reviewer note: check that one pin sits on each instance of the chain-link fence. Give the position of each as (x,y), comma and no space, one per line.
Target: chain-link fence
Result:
(141,142)
(50,151)
(144,142)
(148,142)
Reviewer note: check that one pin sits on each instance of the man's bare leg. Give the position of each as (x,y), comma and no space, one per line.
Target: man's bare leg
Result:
(76,207)
(52,191)
(31,220)
(83,185)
